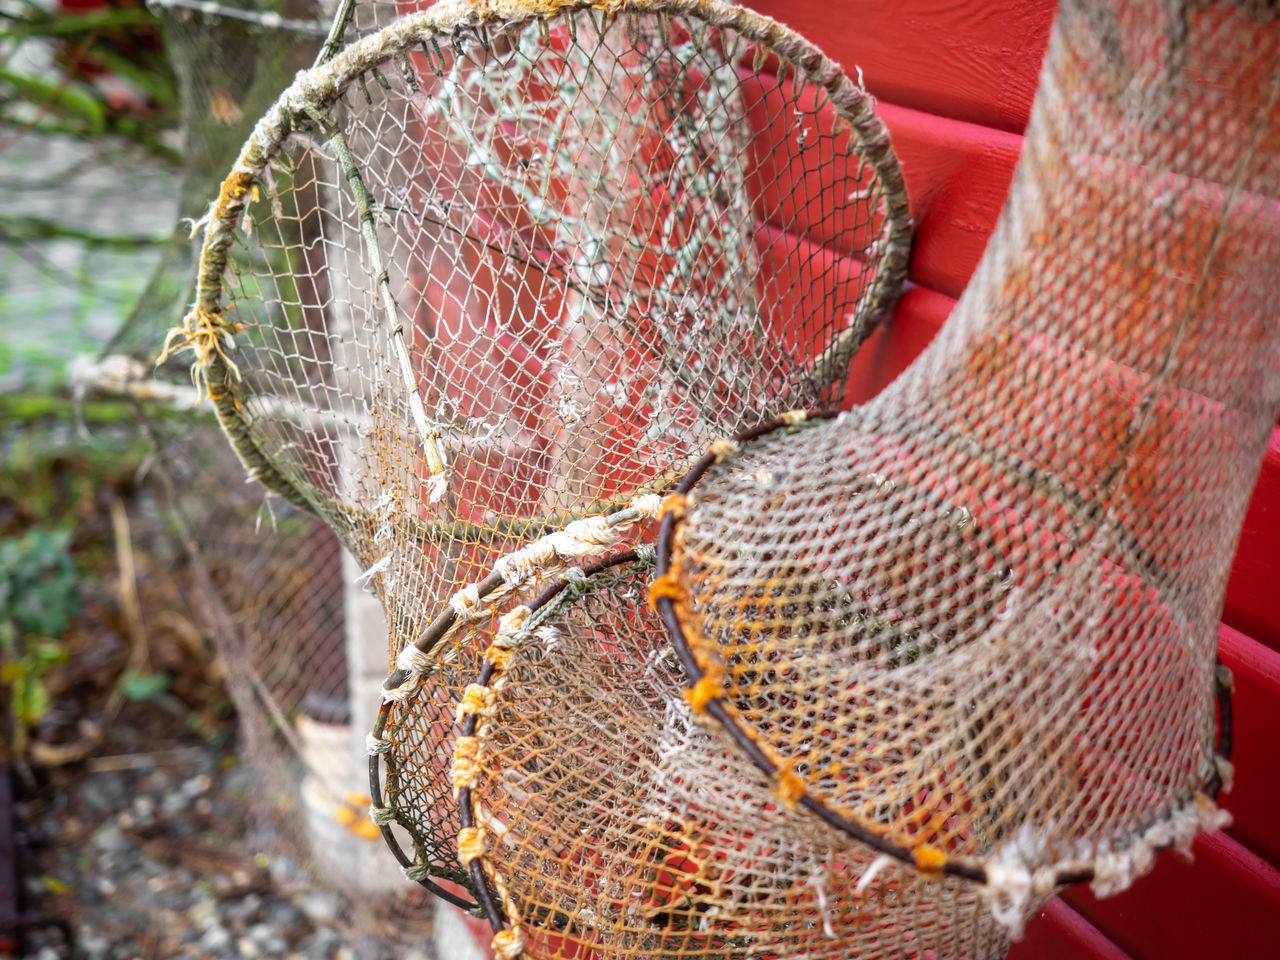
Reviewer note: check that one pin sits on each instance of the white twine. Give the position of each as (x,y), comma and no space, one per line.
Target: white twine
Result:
(872,871)
(367,577)
(1013,890)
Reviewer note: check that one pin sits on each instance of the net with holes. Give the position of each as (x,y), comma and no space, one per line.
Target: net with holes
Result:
(605,817)
(488,271)
(273,603)
(974,621)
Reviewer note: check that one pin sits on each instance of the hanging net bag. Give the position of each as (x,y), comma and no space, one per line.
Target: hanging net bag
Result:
(601,818)
(498,269)
(972,624)
(913,669)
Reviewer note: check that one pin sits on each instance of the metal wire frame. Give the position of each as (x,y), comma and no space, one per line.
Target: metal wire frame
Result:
(668,607)
(485,894)
(430,638)
(210,332)
(305,107)
(488,900)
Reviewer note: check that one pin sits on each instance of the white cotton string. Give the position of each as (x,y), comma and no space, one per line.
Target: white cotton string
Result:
(872,871)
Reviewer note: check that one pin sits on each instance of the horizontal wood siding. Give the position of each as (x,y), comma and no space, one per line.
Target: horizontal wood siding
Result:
(1253,592)
(972,60)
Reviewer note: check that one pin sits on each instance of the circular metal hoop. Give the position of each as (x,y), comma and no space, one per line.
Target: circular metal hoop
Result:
(488,897)
(925,858)
(210,332)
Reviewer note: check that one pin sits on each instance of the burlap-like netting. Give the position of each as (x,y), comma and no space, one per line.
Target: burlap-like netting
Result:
(604,816)
(969,627)
(500,266)
(940,655)
(974,621)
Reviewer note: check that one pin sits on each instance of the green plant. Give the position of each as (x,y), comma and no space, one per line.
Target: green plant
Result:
(39,594)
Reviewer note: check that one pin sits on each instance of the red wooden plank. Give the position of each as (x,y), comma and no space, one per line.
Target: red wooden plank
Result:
(1059,933)
(1221,907)
(957,177)
(978,62)
(887,352)
(1255,798)
(1253,591)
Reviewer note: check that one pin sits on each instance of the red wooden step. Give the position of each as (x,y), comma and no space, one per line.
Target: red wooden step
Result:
(958,176)
(1221,907)
(1253,592)
(1059,933)
(1255,798)
(919,315)
(978,62)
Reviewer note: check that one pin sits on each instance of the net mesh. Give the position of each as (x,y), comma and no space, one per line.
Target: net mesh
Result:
(277,603)
(911,669)
(493,270)
(273,599)
(974,621)
(610,822)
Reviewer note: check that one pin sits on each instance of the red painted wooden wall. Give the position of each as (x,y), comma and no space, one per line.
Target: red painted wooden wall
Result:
(955,80)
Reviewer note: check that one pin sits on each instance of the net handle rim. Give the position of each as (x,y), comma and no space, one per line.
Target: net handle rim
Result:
(317,88)
(484,894)
(924,858)
(486,888)
(388,835)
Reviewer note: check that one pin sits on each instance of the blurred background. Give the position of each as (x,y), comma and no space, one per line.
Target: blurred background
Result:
(179,764)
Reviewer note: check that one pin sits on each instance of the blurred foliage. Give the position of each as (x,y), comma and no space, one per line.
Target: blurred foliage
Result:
(39,595)
(98,109)
(87,73)
(53,475)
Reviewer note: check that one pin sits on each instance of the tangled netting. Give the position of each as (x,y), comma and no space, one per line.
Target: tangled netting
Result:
(973,622)
(604,817)
(909,670)
(499,268)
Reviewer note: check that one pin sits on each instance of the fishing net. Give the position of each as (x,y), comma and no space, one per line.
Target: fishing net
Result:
(601,818)
(966,632)
(973,622)
(481,287)
(276,604)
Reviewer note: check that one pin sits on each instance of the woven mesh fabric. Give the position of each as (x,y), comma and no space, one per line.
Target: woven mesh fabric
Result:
(609,819)
(975,619)
(491,270)
(272,605)
(942,654)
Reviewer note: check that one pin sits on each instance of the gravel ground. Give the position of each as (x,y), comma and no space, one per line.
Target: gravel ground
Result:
(136,823)
(154,856)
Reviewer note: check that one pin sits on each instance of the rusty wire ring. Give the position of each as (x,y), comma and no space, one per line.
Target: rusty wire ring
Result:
(666,606)
(466,807)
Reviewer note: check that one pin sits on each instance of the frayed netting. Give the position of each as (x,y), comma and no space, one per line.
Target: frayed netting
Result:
(974,621)
(607,817)
(502,273)
(482,286)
